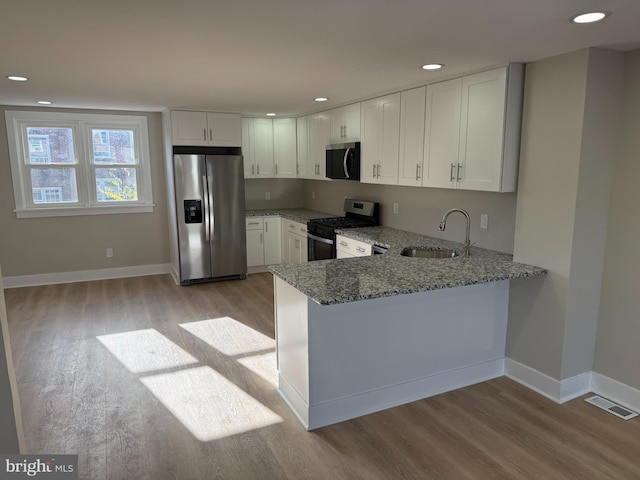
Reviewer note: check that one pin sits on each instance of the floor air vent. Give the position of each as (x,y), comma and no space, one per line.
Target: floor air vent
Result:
(611,407)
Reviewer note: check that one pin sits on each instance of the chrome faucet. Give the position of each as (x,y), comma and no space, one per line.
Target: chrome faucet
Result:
(443,224)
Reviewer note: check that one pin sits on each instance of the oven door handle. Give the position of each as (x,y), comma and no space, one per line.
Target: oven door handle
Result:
(320,239)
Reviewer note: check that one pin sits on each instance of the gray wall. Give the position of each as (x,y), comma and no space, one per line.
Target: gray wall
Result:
(284,192)
(420,209)
(568,139)
(617,347)
(64,244)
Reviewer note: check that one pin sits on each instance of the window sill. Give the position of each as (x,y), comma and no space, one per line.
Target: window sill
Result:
(76,211)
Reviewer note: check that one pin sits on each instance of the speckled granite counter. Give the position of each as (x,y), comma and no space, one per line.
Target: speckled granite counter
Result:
(329,282)
(301,215)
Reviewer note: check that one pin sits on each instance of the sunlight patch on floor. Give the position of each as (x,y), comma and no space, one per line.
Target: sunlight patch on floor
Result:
(229,336)
(263,365)
(146,350)
(209,405)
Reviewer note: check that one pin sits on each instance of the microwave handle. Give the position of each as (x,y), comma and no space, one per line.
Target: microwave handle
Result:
(344,163)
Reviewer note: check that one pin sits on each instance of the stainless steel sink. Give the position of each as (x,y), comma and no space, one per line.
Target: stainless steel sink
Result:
(428,252)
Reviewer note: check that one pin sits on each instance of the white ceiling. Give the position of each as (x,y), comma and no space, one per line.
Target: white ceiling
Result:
(258,56)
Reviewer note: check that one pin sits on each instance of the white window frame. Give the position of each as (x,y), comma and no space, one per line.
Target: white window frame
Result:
(81,125)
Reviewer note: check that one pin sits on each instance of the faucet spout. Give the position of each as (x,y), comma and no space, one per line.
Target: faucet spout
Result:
(443,224)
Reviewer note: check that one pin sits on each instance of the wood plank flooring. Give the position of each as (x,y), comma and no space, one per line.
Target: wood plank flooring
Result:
(220,417)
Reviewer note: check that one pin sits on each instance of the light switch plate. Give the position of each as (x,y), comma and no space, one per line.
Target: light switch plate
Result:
(484,221)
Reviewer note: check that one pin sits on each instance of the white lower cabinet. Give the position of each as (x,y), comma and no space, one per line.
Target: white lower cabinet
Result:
(263,241)
(294,242)
(348,247)
(255,241)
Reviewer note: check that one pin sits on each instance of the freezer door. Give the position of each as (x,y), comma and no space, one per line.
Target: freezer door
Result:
(225,175)
(191,202)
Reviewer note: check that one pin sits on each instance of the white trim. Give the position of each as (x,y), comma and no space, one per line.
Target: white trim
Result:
(616,391)
(85,275)
(556,390)
(339,410)
(75,211)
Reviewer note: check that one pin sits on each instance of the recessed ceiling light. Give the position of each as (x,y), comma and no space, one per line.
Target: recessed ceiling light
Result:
(17,78)
(432,66)
(43,102)
(321,99)
(271,114)
(590,17)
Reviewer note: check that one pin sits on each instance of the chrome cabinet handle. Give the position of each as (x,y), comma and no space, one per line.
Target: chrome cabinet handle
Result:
(210,134)
(253,169)
(204,134)
(261,238)
(276,167)
(378,170)
(254,223)
(258,169)
(266,228)
(417,171)
(458,172)
(451,176)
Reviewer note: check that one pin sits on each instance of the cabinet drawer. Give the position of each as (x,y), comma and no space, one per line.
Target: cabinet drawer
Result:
(294,227)
(254,223)
(353,247)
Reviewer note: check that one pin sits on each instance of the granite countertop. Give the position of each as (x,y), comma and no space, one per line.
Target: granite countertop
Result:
(301,215)
(330,282)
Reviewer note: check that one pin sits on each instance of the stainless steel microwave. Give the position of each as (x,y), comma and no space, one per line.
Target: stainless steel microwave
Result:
(343,161)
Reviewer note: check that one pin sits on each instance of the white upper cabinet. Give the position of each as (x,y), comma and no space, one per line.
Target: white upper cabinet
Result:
(442,133)
(284,147)
(257,147)
(380,128)
(412,108)
(472,132)
(318,133)
(302,130)
(206,129)
(345,124)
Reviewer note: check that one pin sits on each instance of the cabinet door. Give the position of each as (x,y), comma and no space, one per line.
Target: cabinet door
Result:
(284,147)
(272,241)
(482,130)
(319,138)
(380,128)
(263,147)
(345,124)
(225,129)
(189,128)
(255,248)
(442,133)
(302,128)
(412,107)
(247,148)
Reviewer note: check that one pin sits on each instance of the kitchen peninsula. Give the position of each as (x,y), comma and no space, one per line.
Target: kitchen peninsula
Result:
(359,335)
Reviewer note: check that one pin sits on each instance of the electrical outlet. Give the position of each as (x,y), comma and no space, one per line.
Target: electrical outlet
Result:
(313,195)
(484,221)
(267,195)
(109,252)
(395,208)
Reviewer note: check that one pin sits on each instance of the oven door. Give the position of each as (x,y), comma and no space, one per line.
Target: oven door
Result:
(320,248)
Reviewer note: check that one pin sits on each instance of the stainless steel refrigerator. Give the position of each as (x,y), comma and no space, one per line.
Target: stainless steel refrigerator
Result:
(209,189)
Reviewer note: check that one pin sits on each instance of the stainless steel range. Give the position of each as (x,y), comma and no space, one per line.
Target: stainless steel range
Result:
(321,231)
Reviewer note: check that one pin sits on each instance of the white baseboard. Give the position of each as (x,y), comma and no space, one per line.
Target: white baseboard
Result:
(616,391)
(339,410)
(85,275)
(559,391)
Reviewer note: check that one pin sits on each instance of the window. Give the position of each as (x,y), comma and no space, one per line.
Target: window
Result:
(78,164)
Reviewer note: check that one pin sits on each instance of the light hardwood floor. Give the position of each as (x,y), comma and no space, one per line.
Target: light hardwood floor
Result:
(214,413)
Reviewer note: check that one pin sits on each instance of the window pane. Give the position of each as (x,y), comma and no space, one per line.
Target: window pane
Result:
(54,185)
(113,146)
(116,185)
(50,145)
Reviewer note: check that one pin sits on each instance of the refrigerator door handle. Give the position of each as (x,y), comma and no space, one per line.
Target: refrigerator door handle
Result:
(212,226)
(205,196)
